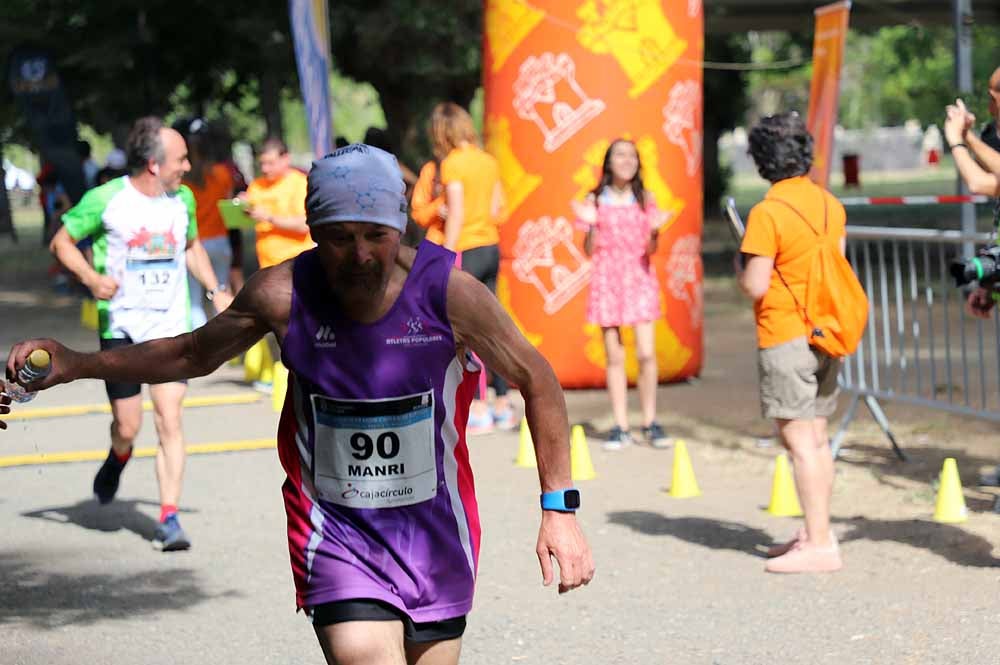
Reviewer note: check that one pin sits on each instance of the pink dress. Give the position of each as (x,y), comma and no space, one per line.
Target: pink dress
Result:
(623,286)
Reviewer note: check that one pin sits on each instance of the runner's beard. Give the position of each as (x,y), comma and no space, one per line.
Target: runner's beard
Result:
(366,278)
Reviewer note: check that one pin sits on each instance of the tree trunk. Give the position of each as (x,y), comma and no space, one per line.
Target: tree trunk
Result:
(270,102)
(6,219)
(715,177)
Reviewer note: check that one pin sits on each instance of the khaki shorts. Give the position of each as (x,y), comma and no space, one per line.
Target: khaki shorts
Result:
(797,382)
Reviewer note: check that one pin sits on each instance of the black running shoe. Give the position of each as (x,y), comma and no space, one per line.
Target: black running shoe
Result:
(106,480)
(618,439)
(655,436)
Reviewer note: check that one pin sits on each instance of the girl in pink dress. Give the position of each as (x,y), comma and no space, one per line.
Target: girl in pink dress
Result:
(622,222)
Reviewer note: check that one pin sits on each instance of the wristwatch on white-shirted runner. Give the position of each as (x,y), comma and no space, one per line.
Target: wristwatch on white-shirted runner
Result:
(210,294)
(563,501)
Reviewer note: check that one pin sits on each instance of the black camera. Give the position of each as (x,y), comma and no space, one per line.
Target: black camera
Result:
(984,268)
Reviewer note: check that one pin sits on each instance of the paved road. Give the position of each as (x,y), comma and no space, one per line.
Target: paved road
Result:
(679,581)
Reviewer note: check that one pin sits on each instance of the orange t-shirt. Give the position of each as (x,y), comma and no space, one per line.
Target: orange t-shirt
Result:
(218,185)
(479,174)
(425,208)
(775,231)
(285,197)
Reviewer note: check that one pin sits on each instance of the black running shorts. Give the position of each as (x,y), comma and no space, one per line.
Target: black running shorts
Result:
(120,389)
(366,609)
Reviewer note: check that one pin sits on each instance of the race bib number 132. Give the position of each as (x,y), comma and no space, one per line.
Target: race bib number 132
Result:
(375,453)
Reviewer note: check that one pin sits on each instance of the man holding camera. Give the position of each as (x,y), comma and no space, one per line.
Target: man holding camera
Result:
(982,176)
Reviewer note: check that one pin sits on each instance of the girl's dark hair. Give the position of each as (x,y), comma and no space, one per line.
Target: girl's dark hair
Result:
(781,147)
(638,189)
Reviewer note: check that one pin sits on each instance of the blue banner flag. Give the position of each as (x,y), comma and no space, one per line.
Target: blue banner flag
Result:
(38,93)
(311,35)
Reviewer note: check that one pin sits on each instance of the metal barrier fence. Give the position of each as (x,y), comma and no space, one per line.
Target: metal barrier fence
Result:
(921,346)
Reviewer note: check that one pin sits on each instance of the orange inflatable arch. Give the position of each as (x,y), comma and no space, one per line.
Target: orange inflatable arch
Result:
(562,80)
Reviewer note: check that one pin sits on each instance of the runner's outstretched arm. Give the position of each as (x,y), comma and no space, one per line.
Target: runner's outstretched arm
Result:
(481,324)
(4,408)
(261,306)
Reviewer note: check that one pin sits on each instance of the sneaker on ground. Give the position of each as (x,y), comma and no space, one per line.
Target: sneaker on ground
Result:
(655,436)
(800,537)
(805,558)
(106,480)
(479,423)
(504,420)
(617,439)
(170,537)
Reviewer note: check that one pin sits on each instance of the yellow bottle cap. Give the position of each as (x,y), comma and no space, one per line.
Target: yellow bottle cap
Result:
(40,358)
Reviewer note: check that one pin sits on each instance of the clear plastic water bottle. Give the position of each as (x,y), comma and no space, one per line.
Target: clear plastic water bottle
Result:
(37,367)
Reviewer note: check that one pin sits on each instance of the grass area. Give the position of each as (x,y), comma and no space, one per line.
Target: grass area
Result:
(27,217)
(25,262)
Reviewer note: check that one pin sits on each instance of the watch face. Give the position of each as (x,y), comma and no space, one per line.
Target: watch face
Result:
(571,498)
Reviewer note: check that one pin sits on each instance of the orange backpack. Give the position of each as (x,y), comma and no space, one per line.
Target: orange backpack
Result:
(836,307)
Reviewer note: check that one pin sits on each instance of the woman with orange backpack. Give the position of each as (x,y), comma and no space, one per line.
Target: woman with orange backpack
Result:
(810,312)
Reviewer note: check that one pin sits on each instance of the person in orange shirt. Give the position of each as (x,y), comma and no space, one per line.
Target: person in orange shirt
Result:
(277,201)
(798,382)
(210,182)
(458,198)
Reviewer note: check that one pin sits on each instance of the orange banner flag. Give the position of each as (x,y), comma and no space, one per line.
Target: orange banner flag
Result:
(824,91)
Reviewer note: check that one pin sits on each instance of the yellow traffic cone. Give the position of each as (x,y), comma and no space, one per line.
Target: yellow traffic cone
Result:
(267,369)
(784,500)
(950,507)
(683,485)
(581,468)
(88,314)
(253,361)
(279,386)
(526,449)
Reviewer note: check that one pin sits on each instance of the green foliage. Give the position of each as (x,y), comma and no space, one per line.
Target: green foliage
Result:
(415,53)
(120,59)
(891,75)
(782,89)
(724,108)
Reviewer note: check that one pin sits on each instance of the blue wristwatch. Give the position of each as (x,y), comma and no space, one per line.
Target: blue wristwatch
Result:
(564,501)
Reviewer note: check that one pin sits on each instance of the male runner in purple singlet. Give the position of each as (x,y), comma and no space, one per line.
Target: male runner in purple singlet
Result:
(383,527)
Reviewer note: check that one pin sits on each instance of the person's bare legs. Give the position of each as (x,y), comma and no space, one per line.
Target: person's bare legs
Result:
(614,351)
(167,400)
(126,421)
(826,462)
(813,469)
(445,652)
(381,643)
(363,643)
(645,347)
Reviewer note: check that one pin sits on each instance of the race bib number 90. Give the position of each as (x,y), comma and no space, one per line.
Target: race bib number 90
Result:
(375,453)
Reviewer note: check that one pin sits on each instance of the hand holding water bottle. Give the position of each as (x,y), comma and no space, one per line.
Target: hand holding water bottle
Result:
(38,364)
(4,409)
(35,368)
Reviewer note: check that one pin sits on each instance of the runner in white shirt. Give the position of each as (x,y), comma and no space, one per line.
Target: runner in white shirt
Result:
(145,241)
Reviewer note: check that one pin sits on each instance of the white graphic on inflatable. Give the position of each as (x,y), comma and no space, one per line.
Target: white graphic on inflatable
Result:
(546,257)
(694,8)
(546,93)
(681,126)
(682,275)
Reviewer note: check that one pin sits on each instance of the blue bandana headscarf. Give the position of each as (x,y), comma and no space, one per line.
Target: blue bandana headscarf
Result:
(357,183)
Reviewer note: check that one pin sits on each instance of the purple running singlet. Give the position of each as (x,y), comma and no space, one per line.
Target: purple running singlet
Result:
(380,497)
